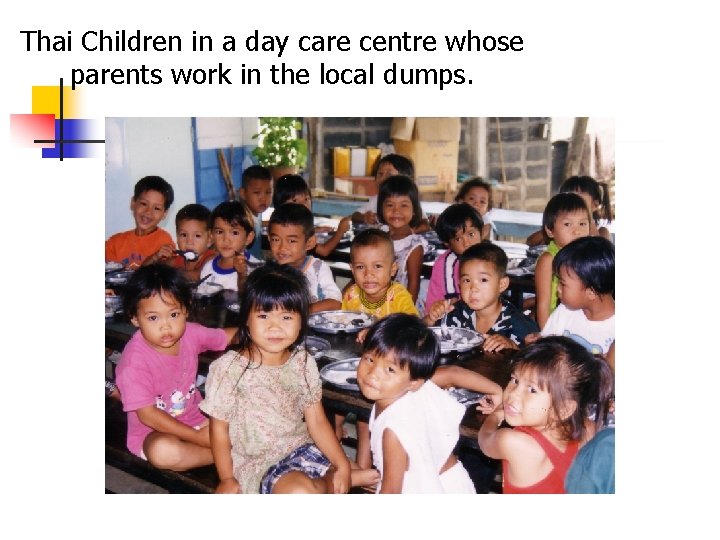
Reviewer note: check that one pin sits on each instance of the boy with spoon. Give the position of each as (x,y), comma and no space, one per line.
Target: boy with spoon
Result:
(192,227)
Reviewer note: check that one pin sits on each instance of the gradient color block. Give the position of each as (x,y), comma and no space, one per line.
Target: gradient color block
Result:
(73,129)
(26,128)
(46,100)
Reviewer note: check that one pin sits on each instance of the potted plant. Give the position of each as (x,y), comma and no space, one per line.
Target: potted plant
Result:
(279,147)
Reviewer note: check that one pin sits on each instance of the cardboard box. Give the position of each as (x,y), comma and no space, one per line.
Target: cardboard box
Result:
(433,144)
(356,185)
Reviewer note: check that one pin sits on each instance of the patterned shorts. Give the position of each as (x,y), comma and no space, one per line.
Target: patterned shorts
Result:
(307,459)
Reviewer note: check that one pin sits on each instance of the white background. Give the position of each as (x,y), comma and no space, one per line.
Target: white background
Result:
(648,66)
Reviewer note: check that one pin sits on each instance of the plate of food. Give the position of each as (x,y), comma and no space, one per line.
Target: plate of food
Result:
(334,322)
(342,374)
(119,277)
(460,339)
(207,289)
(316,345)
(464,396)
(112,266)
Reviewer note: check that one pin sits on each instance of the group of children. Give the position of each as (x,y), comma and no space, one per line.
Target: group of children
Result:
(267,431)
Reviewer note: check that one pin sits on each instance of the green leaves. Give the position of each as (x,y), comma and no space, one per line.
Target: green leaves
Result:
(279,145)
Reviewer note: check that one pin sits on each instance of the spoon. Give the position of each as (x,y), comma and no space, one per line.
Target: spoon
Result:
(444,331)
(189,255)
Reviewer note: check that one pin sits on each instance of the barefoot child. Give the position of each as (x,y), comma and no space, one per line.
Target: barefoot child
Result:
(554,384)
(157,371)
(414,424)
(268,428)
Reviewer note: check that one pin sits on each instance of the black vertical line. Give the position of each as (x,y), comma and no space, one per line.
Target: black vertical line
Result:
(61,120)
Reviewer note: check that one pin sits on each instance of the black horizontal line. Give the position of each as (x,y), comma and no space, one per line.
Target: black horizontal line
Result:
(69,140)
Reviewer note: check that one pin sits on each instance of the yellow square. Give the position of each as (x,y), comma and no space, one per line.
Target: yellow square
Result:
(46,100)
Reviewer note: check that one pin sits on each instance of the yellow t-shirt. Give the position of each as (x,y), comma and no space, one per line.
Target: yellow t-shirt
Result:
(398,300)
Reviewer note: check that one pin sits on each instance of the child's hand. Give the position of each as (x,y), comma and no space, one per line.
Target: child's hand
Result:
(440,308)
(361,335)
(490,403)
(344,225)
(166,252)
(532,338)
(240,264)
(229,485)
(497,342)
(369,218)
(341,478)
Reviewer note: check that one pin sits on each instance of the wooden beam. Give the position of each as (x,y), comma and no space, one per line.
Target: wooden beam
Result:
(575,149)
(315,152)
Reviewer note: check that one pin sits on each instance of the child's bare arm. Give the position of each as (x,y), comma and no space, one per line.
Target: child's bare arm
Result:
(160,421)
(220,445)
(325,305)
(459,377)
(323,250)
(535,239)
(414,268)
(395,463)
(491,439)
(543,279)
(323,435)
(165,253)
(231,334)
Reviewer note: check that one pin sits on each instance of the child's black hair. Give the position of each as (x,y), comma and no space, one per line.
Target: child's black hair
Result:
(236,213)
(255,172)
(155,183)
(488,252)
(592,258)
(454,219)
(398,186)
(153,279)
(404,166)
(409,340)
(269,287)
(598,191)
(196,212)
(471,183)
(372,237)
(560,204)
(287,187)
(293,214)
(568,372)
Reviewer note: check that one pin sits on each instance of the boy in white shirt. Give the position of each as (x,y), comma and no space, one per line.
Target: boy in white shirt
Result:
(291,233)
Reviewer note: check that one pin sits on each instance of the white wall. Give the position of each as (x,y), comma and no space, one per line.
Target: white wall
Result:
(137,147)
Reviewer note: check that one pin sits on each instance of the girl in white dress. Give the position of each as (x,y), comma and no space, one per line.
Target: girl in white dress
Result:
(414,424)
(399,208)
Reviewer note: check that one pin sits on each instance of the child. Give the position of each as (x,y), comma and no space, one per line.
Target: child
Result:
(147,243)
(459,227)
(290,231)
(256,191)
(586,288)
(157,371)
(566,217)
(293,188)
(387,166)
(372,262)
(269,430)
(192,224)
(399,209)
(478,194)
(593,470)
(483,279)
(232,233)
(554,383)
(597,198)
(414,424)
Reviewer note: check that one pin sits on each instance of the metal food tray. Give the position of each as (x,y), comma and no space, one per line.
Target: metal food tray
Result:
(312,321)
(208,289)
(342,374)
(473,337)
(316,345)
